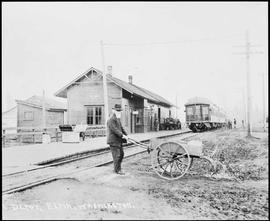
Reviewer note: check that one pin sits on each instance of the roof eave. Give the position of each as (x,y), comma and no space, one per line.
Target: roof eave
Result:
(38,106)
(62,93)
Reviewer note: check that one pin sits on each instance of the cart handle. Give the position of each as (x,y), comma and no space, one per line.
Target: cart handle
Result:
(145,146)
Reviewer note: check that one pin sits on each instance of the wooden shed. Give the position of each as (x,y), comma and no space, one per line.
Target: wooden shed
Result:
(29,112)
(9,119)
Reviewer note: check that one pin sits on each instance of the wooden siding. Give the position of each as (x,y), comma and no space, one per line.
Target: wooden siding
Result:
(9,118)
(90,94)
(53,118)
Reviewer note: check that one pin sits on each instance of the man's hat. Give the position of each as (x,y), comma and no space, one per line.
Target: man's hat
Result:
(117,107)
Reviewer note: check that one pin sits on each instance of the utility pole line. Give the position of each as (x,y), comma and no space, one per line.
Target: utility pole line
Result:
(247,53)
(244,106)
(263,96)
(176,111)
(43,111)
(105,91)
(248,85)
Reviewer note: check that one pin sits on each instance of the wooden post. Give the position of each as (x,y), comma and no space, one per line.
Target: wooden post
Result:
(263,96)
(248,85)
(3,137)
(19,136)
(56,134)
(43,111)
(33,135)
(105,92)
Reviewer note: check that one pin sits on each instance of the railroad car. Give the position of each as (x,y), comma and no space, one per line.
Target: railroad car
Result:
(202,114)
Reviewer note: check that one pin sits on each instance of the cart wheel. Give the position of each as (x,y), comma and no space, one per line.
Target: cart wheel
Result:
(170,160)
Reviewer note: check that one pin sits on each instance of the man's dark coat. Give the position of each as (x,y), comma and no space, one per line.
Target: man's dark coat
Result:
(115,131)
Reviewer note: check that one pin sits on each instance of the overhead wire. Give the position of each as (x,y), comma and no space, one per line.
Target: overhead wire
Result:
(174,42)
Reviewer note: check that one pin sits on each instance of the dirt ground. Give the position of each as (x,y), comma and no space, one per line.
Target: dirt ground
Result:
(141,194)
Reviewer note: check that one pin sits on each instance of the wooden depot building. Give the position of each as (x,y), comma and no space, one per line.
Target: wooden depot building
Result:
(85,102)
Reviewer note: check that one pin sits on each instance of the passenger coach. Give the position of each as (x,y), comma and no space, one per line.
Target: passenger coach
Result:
(202,114)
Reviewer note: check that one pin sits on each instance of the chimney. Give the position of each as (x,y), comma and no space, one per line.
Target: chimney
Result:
(130,79)
(109,70)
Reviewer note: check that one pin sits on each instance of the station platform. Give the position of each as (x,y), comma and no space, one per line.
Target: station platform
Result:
(25,157)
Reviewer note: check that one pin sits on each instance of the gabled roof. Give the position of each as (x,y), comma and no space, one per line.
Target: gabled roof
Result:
(37,101)
(9,110)
(131,88)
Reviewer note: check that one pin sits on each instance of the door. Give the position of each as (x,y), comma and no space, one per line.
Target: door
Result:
(131,122)
(159,115)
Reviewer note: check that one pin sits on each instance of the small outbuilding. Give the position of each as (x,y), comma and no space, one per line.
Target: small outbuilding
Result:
(9,118)
(29,112)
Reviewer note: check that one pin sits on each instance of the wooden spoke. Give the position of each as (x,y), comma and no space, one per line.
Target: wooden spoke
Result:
(162,164)
(171,169)
(170,149)
(177,164)
(167,154)
(165,169)
(181,162)
(179,147)
(181,166)
(171,160)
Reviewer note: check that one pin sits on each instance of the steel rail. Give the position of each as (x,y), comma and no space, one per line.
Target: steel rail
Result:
(85,155)
(76,170)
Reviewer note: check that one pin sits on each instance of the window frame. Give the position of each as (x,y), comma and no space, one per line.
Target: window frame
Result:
(94,115)
(28,118)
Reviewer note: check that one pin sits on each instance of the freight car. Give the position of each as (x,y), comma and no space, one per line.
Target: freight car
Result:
(202,114)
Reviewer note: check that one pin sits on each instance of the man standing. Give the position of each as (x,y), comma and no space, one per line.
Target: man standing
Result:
(234,122)
(156,124)
(115,136)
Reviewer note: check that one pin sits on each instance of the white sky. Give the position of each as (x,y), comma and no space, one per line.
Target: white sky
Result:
(47,45)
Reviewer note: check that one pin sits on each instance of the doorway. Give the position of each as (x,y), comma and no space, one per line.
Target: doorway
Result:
(159,115)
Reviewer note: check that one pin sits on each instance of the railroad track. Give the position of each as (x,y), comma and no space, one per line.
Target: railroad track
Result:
(80,156)
(24,180)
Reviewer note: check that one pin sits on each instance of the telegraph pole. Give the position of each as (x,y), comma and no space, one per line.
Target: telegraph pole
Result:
(43,111)
(176,112)
(248,85)
(105,91)
(244,107)
(263,102)
(247,53)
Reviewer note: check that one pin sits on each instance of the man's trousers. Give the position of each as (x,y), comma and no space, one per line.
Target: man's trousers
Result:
(117,154)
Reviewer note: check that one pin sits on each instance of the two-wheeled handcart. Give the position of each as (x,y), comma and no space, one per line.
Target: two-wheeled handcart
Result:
(171,160)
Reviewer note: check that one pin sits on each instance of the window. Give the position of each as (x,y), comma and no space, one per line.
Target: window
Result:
(95,115)
(28,115)
(90,116)
(98,115)
(205,110)
(197,110)
(189,110)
